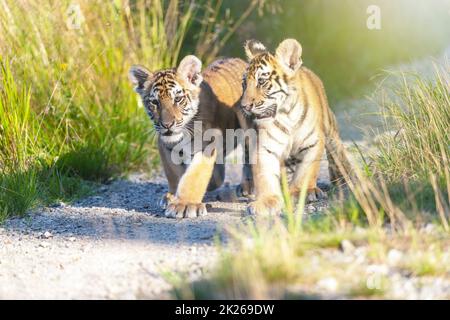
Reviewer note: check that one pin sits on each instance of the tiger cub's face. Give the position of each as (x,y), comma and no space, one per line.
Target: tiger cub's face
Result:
(170,97)
(266,81)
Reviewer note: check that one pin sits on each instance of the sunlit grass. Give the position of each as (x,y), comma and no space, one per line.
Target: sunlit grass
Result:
(68,112)
(269,258)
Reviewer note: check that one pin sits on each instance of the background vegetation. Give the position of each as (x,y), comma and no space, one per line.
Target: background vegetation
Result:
(67,111)
(69,118)
(336,42)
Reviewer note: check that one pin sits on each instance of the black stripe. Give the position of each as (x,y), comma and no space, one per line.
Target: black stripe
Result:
(270,151)
(302,118)
(281,127)
(292,107)
(309,135)
(277,80)
(308,147)
(275,92)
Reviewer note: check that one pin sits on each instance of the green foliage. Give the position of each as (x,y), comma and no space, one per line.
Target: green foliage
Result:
(68,113)
(337,44)
(18,192)
(419,115)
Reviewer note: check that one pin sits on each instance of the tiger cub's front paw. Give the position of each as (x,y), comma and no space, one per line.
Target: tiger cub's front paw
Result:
(268,206)
(179,209)
(166,199)
(312,195)
(315,194)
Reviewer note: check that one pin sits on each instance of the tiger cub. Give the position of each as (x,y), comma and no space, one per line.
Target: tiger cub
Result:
(175,99)
(289,107)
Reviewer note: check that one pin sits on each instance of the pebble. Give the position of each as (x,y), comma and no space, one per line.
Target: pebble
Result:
(47,234)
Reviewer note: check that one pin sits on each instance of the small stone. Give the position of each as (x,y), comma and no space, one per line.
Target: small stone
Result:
(61,205)
(347,246)
(394,257)
(47,235)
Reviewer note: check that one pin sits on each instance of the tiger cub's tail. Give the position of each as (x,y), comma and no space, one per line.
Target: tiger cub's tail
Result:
(339,165)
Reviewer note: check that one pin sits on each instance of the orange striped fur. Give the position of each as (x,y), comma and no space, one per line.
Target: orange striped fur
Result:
(289,107)
(174,99)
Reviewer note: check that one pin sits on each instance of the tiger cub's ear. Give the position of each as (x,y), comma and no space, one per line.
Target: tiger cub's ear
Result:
(289,54)
(138,75)
(253,47)
(190,69)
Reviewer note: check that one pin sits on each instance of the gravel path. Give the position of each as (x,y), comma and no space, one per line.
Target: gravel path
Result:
(112,245)
(115,244)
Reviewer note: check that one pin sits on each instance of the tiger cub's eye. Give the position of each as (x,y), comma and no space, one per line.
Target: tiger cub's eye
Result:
(152,101)
(261,81)
(263,78)
(178,99)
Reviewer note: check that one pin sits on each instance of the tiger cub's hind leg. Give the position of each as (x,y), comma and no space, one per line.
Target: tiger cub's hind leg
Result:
(217,178)
(246,187)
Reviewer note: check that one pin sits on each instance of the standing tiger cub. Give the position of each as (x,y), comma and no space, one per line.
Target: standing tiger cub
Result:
(288,105)
(174,99)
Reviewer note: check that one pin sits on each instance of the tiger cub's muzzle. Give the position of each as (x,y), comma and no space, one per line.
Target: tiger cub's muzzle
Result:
(260,111)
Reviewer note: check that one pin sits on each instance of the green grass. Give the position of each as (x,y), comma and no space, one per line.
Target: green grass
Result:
(69,117)
(27,177)
(420,117)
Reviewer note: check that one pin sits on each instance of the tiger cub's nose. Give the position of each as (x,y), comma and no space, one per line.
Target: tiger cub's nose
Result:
(168,125)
